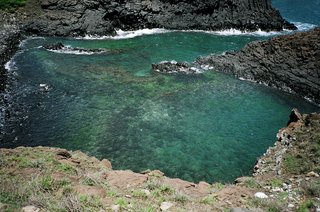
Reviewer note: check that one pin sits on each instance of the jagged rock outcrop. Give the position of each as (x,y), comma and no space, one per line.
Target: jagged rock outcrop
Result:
(74,18)
(288,62)
(173,67)
(10,38)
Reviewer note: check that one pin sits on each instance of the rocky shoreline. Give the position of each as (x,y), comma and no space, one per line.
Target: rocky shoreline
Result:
(79,18)
(288,62)
(10,38)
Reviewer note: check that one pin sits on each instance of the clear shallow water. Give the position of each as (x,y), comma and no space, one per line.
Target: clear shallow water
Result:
(208,127)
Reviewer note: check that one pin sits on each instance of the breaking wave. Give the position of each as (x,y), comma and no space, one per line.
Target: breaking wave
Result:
(120,34)
(77,51)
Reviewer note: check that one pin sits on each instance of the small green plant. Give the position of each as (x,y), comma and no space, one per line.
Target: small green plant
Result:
(112,194)
(208,200)
(275,182)
(67,190)
(180,198)
(22,161)
(306,206)
(47,183)
(66,168)
(139,194)
(218,186)
(312,189)
(63,183)
(122,203)
(282,196)
(267,205)
(90,202)
(148,209)
(251,183)
(166,189)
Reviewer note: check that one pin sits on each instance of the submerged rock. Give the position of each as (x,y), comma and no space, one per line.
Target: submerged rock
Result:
(59,47)
(173,67)
(56,46)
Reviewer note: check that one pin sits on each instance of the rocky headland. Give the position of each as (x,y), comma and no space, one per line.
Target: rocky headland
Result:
(288,62)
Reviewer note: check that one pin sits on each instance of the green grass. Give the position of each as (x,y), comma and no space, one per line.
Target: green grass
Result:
(66,168)
(208,200)
(276,182)
(294,165)
(251,183)
(312,189)
(11,5)
(306,206)
(139,194)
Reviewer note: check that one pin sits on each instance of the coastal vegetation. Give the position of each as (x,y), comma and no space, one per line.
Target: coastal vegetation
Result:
(11,5)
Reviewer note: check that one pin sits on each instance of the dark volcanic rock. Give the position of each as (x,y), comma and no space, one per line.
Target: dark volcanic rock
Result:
(174,67)
(288,62)
(60,46)
(57,46)
(80,17)
(10,38)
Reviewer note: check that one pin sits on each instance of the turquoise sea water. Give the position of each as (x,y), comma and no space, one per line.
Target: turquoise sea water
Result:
(208,127)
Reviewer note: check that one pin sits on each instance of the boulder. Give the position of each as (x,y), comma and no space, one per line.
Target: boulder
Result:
(174,67)
(166,206)
(260,195)
(294,116)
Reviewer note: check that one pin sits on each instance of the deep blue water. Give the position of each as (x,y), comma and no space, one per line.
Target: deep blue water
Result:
(299,11)
(208,127)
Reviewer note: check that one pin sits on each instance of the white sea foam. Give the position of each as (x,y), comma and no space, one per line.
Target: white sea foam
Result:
(10,65)
(304,26)
(69,50)
(23,42)
(120,34)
